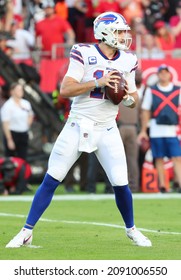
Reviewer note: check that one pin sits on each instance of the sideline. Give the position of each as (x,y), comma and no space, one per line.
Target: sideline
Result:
(79,197)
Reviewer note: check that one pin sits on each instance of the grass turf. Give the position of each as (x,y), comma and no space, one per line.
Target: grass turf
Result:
(71,233)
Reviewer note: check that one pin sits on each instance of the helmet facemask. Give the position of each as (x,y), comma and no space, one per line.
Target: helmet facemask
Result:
(115,42)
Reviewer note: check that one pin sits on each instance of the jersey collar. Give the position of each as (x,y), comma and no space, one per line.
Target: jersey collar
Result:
(117,55)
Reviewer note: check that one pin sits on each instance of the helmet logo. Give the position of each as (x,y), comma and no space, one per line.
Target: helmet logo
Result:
(107,19)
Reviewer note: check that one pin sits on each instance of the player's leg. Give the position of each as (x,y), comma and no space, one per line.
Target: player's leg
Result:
(112,157)
(63,156)
(129,138)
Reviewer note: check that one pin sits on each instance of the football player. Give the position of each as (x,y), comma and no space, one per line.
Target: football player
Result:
(91,125)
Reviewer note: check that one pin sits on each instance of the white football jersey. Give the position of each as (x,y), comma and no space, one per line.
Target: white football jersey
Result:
(87,63)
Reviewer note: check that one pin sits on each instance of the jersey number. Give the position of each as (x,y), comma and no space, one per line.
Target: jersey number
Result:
(97,93)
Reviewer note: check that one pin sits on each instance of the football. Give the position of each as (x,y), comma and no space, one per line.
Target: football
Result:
(116,95)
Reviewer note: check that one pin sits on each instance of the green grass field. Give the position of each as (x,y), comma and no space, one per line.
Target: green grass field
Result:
(89,227)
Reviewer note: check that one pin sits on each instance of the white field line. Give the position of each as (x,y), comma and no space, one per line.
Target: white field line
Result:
(89,223)
(69,197)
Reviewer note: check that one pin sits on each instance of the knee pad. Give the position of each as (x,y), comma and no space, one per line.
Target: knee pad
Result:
(118,176)
(57,172)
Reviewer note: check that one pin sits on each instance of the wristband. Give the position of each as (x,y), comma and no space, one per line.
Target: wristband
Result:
(129,101)
(96,83)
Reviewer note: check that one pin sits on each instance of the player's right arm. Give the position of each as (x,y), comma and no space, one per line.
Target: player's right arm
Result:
(72,84)
(70,87)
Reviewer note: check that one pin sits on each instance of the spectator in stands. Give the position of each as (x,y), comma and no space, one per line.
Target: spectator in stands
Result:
(6,14)
(19,7)
(160,107)
(149,50)
(51,31)
(77,10)
(138,31)
(4,36)
(16,117)
(175,23)
(164,38)
(172,9)
(131,9)
(89,19)
(2,100)
(22,43)
(153,10)
(79,27)
(35,13)
(107,5)
(61,9)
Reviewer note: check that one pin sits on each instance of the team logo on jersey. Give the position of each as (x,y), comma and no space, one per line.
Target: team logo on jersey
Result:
(92,60)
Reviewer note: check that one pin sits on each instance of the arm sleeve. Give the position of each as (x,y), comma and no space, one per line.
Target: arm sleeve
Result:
(130,78)
(76,65)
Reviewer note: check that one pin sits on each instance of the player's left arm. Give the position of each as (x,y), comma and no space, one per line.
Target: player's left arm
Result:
(131,98)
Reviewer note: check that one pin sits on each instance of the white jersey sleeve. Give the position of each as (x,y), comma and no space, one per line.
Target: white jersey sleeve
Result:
(76,66)
(130,78)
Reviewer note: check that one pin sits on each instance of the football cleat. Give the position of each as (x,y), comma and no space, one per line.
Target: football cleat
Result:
(23,238)
(138,238)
